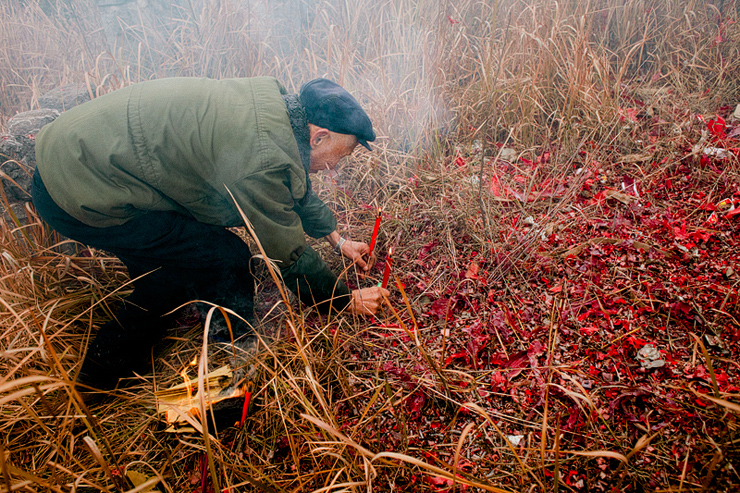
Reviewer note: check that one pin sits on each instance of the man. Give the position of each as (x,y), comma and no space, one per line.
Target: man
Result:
(148,173)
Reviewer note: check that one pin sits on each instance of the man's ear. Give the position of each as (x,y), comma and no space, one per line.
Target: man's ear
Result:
(318,136)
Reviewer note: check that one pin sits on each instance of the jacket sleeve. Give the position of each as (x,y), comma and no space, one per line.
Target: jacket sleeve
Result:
(315,284)
(268,204)
(266,200)
(316,217)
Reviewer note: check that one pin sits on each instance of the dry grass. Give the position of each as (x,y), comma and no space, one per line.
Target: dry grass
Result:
(348,404)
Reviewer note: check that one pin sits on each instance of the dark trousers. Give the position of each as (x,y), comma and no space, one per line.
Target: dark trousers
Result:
(171,258)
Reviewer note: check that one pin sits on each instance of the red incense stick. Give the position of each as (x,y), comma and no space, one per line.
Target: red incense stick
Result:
(387,271)
(375,231)
(245,407)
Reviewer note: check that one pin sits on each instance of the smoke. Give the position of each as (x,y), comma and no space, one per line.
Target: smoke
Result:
(384,52)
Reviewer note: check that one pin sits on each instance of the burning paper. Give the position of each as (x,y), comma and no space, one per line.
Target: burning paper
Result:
(224,397)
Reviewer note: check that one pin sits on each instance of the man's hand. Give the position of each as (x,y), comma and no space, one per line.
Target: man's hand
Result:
(356,251)
(367,301)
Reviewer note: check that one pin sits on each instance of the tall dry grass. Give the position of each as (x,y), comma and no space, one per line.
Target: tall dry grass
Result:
(441,80)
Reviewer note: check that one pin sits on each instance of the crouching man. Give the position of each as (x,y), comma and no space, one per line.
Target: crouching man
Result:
(145,173)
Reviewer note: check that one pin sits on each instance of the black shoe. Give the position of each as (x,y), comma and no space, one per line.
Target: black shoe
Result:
(95,377)
(117,352)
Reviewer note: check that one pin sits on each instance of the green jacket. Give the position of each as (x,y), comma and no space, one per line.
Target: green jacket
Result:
(182,144)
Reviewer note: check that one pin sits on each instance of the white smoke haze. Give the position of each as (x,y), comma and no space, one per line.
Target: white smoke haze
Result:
(384,52)
(538,70)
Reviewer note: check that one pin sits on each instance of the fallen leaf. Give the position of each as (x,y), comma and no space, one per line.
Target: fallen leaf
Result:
(138,479)
(622,197)
(472,271)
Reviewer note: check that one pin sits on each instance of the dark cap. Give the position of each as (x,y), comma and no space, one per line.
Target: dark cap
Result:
(331,107)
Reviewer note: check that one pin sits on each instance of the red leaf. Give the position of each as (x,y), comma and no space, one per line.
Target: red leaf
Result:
(472,272)
(439,481)
(443,484)
(701,235)
(441,308)
(498,381)
(461,355)
(495,186)
(416,403)
(426,249)
(517,363)
(717,127)
(395,370)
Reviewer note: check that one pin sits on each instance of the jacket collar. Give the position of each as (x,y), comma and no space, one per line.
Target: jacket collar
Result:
(299,124)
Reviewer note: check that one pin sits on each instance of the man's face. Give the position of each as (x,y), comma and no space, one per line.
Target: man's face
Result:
(328,148)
